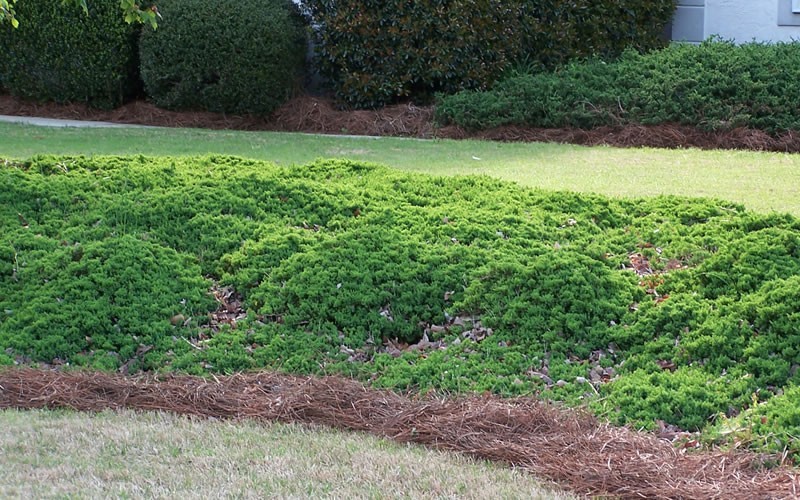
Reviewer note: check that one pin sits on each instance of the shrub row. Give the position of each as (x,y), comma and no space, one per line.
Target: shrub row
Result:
(246,58)
(377,51)
(717,85)
(406,281)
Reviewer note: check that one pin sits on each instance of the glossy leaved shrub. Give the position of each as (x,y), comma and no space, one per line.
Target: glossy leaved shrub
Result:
(377,51)
(558,31)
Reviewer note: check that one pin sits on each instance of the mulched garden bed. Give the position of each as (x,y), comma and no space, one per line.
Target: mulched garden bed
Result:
(319,115)
(569,447)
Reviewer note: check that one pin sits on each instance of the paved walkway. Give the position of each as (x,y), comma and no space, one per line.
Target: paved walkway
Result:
(52,122)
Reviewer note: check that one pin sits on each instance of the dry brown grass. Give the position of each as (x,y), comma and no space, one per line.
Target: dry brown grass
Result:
(119,454)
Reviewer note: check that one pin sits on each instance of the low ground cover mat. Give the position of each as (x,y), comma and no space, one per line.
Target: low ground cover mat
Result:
(661,312)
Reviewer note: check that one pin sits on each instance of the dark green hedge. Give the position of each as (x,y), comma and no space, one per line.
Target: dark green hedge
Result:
(60,54)
(714,86)
(230,56)
(378,51)
(557,31)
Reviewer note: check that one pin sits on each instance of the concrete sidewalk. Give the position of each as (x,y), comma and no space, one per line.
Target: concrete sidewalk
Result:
(53,122)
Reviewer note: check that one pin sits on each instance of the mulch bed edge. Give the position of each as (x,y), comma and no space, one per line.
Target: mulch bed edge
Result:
(567,446)
(320,116)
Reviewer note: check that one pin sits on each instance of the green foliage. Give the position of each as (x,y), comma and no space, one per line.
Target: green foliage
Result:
(8,13)
(687,397)
(563,299)
(101,299)
(717,85)
(382,282)
(577,95)
(406,281)
(557,31)
(132,12)
(772,425)
(64,55)
(245,61)
(759,256)
(714,86)
(376,52)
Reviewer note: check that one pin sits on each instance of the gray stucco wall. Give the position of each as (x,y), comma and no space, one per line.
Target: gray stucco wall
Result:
(688,25)
(738,20)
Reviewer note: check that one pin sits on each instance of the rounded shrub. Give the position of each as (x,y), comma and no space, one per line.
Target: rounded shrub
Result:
(233,56)
(60,54)
(377,51)
(108,296)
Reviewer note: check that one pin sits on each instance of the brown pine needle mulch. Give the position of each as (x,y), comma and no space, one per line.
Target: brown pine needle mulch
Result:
(566,446)
(320,116)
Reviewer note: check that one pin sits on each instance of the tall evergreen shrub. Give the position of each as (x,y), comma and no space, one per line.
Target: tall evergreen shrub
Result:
(60,54)
(233,56)
(557,31)
(377,51)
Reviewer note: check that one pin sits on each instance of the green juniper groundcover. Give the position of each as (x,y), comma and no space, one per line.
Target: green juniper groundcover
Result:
(656,311)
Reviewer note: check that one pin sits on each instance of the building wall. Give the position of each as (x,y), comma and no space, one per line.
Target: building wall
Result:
(688,25)
(739,20)
(745,20)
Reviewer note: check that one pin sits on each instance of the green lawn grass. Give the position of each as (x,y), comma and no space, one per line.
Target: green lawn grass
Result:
(761,181)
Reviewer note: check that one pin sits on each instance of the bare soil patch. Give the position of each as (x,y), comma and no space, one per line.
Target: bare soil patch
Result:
(320,116)
(567,446)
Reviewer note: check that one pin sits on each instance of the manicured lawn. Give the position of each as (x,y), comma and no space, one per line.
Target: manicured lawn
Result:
(762,181)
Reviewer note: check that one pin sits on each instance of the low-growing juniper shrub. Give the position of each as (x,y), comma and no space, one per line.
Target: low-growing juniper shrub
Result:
(406,281)
(717,85)
(772,425)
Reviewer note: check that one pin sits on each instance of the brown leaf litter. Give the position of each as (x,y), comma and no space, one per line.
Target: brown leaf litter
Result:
(569,447)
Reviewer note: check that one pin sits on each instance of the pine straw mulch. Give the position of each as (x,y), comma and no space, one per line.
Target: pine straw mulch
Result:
(566,446)
(320,116)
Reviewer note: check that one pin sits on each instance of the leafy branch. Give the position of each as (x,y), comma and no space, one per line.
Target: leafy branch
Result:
(132,12)
(7,11)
